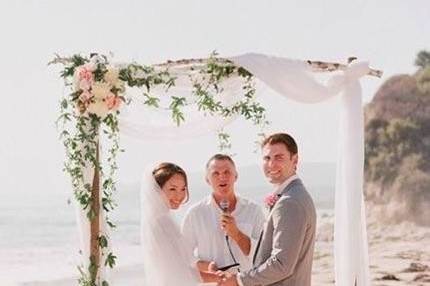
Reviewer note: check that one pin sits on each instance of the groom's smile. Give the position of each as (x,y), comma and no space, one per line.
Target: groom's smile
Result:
(278,163)
(274,174)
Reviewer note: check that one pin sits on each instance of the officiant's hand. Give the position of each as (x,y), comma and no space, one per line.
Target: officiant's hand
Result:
(228,224)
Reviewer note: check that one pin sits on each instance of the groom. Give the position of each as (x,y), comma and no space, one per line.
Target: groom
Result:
(285,249)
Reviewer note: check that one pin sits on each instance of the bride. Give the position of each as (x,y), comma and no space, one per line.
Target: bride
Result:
(168,259)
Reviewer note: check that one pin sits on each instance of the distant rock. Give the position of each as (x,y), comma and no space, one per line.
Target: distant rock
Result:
(422,278)
(389,277)
(416,267)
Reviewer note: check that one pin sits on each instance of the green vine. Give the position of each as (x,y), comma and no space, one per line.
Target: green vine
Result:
(89,118)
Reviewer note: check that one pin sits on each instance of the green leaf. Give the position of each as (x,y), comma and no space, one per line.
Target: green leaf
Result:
(64,103)
(103,242)
(112,225)
(151,101)
(91,214)
(110,260)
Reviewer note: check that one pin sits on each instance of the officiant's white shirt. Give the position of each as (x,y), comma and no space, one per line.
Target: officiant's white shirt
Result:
(201,228)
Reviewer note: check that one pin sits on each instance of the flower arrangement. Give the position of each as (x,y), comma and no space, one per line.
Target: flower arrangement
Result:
(97,88)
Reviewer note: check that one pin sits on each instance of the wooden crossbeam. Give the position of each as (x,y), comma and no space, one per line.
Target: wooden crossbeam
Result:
(317,66)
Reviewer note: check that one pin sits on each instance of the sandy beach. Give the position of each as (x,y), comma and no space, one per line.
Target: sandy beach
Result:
(399,254)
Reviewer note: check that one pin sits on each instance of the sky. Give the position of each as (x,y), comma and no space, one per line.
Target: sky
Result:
(387,33)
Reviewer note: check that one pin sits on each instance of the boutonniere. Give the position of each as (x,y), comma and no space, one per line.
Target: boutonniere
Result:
(271,199)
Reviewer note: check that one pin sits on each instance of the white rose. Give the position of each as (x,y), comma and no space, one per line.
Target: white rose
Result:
(99,108)
(100,90)
(112,77)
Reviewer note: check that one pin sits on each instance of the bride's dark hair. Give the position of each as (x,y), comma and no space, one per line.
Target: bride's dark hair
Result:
(164,171)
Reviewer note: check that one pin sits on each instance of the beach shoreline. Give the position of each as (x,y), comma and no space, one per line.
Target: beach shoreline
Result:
(399,254)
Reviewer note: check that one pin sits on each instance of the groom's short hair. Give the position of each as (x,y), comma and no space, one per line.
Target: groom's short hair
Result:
(220,157)
(282,138)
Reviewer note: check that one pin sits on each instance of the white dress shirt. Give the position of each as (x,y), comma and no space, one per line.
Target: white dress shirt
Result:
(201,228)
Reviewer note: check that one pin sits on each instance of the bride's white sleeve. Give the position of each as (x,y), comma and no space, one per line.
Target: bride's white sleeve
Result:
(188,231)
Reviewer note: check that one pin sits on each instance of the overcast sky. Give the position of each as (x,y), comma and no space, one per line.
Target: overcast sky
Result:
(388,33)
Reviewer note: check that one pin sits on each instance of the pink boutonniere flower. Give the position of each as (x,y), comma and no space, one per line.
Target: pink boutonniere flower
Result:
(271,199)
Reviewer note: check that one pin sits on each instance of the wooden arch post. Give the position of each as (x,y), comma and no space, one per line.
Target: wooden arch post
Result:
(95,254)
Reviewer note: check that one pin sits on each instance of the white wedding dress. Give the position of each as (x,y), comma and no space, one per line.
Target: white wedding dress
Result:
(168,260)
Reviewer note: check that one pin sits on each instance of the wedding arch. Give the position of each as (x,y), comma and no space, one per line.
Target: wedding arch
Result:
(191,97)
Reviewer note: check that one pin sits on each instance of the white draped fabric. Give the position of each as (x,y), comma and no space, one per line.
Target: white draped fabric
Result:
(149,123)
(294,80)
(350,248)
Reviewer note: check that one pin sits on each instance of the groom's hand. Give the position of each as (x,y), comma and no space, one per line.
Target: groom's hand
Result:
(228,224)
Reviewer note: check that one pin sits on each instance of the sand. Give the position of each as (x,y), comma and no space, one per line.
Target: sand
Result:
(399,254)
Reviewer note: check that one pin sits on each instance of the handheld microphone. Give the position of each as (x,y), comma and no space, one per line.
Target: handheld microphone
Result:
(224,205)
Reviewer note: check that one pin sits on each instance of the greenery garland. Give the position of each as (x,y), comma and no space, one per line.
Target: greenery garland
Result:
(89,113)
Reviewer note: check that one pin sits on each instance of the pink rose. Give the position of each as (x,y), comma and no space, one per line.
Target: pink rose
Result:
(85,73)
(271,199)
(84,77)
(113,102)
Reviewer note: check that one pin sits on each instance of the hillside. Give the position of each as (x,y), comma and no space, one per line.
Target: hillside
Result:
(397,141)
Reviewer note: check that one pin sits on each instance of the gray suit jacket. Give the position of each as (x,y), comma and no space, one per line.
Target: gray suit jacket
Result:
(285,251)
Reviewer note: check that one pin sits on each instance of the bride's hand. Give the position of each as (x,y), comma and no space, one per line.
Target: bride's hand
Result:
(221,274)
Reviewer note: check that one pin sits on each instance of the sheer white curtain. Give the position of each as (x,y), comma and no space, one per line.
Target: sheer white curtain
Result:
(295,80)
(149,123)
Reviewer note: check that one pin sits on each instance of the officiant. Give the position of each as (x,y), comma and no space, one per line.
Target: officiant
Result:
(224,227)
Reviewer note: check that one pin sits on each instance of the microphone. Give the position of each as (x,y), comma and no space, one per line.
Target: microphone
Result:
(224,205)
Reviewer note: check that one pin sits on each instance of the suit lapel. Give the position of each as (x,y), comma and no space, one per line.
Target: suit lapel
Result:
(258,246)
(294,183)
(284,192)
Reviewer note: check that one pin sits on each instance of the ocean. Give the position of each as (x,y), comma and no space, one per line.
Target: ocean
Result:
(38,232)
